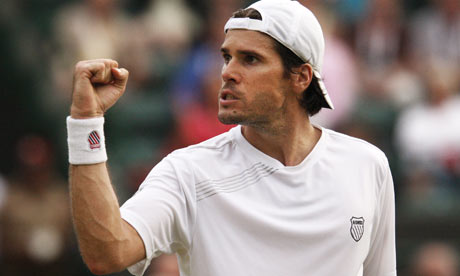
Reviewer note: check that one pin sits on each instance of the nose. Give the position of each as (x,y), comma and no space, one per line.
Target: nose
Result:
(230,72)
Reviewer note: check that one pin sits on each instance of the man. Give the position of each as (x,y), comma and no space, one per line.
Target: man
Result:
(273,196)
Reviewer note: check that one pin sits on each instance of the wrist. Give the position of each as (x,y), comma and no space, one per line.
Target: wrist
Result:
(77,113)
(86,140)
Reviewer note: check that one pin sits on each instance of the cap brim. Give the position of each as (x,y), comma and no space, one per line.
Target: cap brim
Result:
(327,99)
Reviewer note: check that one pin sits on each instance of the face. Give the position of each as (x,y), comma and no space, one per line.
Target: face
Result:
(254,90)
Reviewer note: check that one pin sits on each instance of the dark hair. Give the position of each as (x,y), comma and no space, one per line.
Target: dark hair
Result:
(312,98)
(251,13)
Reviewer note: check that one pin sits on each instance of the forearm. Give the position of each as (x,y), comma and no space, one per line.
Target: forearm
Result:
(107,242)
(100,229)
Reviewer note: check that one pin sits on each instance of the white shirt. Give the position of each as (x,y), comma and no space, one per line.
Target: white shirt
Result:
(227,209)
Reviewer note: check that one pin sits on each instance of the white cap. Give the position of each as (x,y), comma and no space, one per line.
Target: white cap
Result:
(292,25)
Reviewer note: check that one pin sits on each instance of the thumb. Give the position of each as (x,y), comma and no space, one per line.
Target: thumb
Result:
(120,77)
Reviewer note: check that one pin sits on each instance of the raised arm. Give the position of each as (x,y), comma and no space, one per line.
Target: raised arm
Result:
(107,242)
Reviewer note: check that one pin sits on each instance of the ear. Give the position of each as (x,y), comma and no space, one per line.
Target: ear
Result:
(301,78)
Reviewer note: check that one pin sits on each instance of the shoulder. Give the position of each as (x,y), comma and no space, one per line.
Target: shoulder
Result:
(353,149)
(215,158)
(357,156)
(211,151)
(353,143)
(185,163)
(210,146)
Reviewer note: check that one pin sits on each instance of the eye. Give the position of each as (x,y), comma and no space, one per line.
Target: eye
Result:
(249,59)
(226,58)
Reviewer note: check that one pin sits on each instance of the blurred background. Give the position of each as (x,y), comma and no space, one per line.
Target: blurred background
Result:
(392,68)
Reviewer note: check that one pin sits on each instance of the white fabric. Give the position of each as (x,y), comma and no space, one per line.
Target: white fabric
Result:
(228,209)
(292,25)
(86,141)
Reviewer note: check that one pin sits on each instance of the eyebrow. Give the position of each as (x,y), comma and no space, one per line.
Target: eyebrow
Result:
(242,52)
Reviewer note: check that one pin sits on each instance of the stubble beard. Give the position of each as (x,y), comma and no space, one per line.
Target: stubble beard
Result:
(257,121)
(262,114)
(231,119)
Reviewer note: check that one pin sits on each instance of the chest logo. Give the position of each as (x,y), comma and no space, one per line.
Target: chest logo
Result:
(357,228)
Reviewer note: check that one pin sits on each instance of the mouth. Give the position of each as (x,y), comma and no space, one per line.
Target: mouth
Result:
(227,95)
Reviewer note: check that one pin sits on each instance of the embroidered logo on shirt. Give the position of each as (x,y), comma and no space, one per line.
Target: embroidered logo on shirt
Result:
(357,228)
(94,140)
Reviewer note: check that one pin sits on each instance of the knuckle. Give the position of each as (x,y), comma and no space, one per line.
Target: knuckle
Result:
(100,66)
(111,63)
(79,66)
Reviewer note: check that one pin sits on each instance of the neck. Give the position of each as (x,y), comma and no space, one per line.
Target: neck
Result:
(290,144)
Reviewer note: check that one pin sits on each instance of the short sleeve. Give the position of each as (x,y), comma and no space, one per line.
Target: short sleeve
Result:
(161,211)
(381,259)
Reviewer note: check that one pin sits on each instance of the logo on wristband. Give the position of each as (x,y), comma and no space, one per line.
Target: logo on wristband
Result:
(94,140)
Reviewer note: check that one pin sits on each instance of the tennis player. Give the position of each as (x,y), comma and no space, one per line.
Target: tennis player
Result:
(274,196)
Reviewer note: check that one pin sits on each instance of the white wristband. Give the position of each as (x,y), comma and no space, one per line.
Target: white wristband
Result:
(86,141)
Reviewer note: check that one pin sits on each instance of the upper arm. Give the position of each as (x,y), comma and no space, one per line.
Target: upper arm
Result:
(161,214)
(381,259)
(134,250)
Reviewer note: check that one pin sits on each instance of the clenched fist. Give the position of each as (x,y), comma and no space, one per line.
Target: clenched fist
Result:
(97,85)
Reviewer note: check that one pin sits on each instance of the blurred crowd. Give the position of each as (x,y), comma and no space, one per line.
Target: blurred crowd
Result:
(392,69)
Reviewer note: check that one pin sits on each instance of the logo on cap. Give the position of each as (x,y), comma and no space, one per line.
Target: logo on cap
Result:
(357,228)
(94,140)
